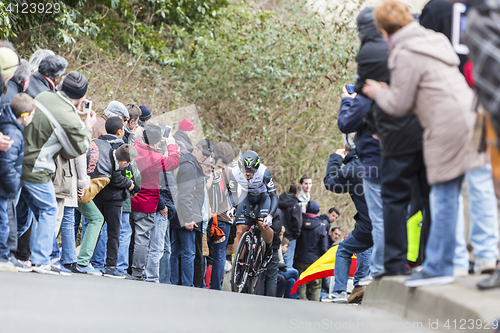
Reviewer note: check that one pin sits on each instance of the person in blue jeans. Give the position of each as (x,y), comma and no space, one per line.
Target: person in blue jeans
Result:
(347,179)
(218,196)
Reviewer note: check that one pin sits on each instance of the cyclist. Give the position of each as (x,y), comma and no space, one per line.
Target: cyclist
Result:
(257,189)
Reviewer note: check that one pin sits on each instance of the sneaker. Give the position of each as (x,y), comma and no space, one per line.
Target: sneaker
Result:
(356,294)
(44,269)
(493,281)
(365,281)
(7,266)
(420,279)
(336,297)
(484,267)
(133,277)
(114,273)
(227,266)
(460,272)
(74,268)
(90,270)
(59,268)
(21,266)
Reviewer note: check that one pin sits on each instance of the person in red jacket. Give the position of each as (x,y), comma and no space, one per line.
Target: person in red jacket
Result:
(151,164)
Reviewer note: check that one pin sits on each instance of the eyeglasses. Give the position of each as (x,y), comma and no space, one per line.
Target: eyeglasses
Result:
(27,113)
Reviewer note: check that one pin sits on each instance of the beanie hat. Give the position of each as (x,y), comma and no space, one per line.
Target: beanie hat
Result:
(118,109)
(8,60)
(312,207)
(152,134)
(75,85)
(186,125)
(146,114)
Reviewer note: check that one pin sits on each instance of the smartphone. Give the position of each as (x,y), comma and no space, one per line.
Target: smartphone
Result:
(87,106)
(459,25)
(350,89)
(167,131)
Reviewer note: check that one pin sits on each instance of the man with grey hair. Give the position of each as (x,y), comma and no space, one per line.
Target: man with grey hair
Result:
(18,83)
(49,75)
(114,109)
(347,179)
(37,57)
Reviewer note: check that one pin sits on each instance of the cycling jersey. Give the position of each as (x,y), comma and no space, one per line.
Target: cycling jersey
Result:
(259,191)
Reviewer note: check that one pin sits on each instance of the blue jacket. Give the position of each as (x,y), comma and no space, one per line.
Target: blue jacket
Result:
(347,180)
(312,242)
(351,114)
(11,161)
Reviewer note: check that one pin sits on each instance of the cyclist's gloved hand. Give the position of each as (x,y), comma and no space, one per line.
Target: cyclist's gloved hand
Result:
(268,220)
(231,212)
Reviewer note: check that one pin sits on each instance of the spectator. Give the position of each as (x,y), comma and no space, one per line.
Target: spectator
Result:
(334,234)
(292,220)
(102,163)
(332,215)
(56,126)
(49,75)
(110,199)
(288,276)
(218,195)
(18,83)
(134,112)
(37,57)
(483,214)
(305,192)
(12,124)
(184,134)
(348,180)
(402,173)
(311,245)
(353,109)
(419,59)
(114,109)
(169,192)
(151,165)
(145,115)
(269,279)
(191,186)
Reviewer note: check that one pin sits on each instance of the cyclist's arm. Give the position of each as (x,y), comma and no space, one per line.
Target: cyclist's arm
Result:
(271,190)
(233,190)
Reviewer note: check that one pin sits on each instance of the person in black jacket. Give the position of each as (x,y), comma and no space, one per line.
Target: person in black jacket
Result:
(110,200)
(292,220)
(347,180)
(49,75)
(191,197)
(311,245)
(402,171)
(18,83)
(269,279)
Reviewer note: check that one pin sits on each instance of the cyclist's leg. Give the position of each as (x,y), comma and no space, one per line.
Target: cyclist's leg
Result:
(264,204)
(240,221)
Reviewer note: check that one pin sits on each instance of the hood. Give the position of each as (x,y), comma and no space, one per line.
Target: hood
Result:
(188,157)
(311,221)
(349,157)
(367,31)
(112,139)
(7,117)
(417,39)
(286,200)
(181,135)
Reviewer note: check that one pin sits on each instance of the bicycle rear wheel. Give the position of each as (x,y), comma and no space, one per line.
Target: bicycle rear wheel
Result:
(241,264)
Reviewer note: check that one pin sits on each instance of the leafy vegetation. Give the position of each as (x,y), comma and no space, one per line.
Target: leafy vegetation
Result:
(267,80)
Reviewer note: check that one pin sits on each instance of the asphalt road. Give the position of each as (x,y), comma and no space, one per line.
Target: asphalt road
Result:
(32,302)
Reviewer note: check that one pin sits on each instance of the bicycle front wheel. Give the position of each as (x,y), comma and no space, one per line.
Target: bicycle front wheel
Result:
(241,264)
(258,261)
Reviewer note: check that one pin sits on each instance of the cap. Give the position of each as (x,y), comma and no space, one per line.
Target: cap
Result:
(206,146)
(117,108)
(312,207)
